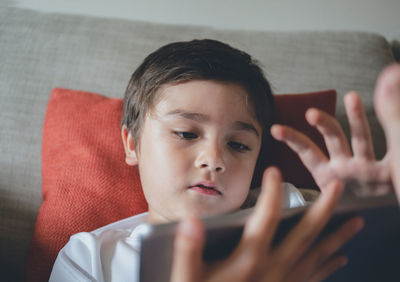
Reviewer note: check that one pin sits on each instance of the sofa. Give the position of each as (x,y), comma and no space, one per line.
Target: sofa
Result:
(41,51)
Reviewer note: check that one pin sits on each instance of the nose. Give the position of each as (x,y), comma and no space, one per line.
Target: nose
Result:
(211,157)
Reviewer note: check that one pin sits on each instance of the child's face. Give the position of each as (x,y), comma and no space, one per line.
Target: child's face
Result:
(197,150)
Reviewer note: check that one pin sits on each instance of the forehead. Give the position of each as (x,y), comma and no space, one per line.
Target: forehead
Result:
(206,96)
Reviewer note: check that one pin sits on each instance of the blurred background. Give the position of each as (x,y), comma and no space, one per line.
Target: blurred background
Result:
(381,16)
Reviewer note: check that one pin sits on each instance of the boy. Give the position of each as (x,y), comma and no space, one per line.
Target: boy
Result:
(196,116)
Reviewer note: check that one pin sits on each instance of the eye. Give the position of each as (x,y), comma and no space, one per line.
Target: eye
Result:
(185,135)
(239,147)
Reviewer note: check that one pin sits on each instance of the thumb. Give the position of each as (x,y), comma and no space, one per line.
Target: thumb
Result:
(387,107)
(187,264)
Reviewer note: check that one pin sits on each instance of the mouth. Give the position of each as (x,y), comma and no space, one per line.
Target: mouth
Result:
(207,189)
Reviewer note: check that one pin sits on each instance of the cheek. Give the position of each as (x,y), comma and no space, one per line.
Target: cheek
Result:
(240,176)
(245,165)
(163,163)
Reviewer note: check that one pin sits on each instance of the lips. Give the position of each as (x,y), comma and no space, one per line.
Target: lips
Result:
(206,188)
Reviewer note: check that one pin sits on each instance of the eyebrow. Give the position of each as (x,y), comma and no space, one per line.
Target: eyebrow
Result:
(238,125)
(188,115)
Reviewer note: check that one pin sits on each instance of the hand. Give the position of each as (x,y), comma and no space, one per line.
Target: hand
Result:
(387,107)
(342,163)
(254,259)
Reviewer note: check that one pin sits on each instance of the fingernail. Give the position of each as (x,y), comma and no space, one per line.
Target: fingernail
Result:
(273,172)
(276,132)
(311,111)
(188,228)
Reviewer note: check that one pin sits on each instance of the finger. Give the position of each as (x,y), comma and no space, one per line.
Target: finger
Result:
(304,233)
(332,132)
(317,261)
(328,246)
(386,99)
(250,255)
(387,107)
(324,271)
(262,223)
(309,153)
(382,173)
(361,139)
(187,262)
(293,247)
(329,268)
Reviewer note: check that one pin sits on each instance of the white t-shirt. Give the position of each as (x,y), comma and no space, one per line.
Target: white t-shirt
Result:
(112,252)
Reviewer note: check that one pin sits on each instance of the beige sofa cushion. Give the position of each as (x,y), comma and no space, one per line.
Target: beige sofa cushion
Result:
(41,51)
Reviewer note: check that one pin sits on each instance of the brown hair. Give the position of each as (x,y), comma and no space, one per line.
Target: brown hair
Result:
(196,60)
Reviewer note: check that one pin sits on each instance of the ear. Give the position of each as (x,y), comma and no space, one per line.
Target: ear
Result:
(129,146)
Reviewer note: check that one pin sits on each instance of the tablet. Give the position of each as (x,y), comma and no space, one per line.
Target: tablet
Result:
(374,253)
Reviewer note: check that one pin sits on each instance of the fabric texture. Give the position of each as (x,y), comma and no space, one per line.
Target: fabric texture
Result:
(86,183)
(112,253)
(42,50)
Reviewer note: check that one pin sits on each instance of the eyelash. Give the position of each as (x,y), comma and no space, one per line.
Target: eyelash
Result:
(239,147)
(184,135)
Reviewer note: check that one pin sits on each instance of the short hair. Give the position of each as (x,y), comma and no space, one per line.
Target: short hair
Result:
(196,60)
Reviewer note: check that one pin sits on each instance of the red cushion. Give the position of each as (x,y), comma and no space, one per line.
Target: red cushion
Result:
(290,110)
(86,183)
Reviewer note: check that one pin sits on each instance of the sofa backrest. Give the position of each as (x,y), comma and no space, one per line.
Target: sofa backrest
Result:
(41,51)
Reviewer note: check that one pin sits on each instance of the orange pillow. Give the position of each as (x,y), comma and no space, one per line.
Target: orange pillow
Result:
(86,183)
